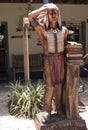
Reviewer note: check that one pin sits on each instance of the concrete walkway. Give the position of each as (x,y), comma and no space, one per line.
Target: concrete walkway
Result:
(8,122)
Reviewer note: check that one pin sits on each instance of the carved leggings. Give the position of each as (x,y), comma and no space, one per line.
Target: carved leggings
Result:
(52,89)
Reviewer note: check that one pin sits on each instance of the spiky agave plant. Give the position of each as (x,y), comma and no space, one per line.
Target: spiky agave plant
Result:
(26,99)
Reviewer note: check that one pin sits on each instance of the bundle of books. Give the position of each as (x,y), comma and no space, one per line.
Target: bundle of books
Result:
(74,51)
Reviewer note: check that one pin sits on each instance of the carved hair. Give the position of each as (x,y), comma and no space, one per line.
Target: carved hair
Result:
(44,17)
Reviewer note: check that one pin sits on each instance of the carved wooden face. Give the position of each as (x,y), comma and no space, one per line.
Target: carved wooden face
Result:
(53,16)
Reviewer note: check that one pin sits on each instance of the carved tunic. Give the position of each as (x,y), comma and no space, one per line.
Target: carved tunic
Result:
(55,40)
(55,59)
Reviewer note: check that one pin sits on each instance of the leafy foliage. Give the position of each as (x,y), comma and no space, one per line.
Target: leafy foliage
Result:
(26,100)
(27,10)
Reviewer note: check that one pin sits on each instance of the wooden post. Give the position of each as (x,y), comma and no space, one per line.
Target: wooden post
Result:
(72,84)
(26,50)
(74,55)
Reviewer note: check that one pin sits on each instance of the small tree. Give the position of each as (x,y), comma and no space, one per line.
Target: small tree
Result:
(27,10)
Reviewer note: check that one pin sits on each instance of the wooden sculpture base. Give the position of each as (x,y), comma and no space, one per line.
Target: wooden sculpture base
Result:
(56,123)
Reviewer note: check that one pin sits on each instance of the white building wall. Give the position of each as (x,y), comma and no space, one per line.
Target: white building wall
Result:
(10,13)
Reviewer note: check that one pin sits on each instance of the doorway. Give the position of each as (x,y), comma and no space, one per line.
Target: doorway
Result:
(3,52)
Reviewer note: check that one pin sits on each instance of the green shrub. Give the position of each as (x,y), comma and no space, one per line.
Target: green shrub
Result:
(26,100)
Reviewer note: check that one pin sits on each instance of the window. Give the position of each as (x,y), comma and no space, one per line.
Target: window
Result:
(74,33)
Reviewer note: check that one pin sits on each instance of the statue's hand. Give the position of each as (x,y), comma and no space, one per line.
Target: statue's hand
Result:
(72,43)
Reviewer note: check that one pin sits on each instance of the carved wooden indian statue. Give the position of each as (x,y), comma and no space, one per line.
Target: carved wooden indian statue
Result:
(47,22)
